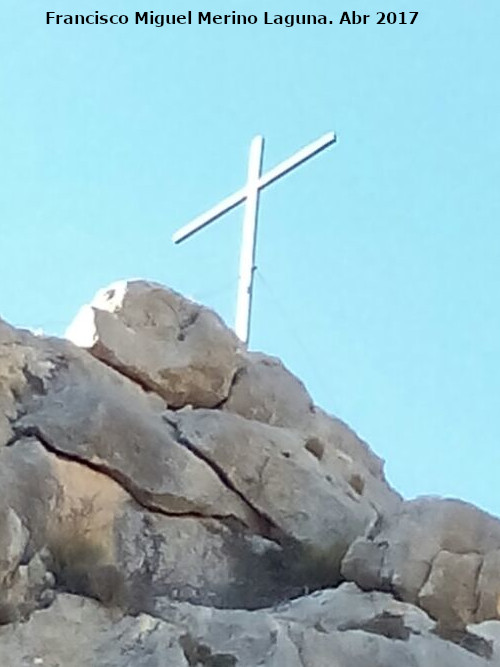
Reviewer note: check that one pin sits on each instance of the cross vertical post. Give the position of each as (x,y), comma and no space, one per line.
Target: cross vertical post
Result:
(249,193)
(249,240)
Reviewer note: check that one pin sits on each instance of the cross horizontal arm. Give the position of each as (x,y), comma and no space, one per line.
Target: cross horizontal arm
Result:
(222,207)
(296,159)
(266,179)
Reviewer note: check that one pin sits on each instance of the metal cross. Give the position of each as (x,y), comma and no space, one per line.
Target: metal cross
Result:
(250,192)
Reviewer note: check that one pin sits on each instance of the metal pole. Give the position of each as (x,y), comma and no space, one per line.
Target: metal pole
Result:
(247,256)
(250,192)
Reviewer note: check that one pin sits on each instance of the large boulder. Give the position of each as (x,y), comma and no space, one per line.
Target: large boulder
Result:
(168,344)
(439,554)
(274,471)
(92,414)
(264,390)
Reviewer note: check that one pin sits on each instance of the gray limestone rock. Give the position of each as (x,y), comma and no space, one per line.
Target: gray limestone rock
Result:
(168,344)
(440,554)
(344,628)
(281,480)
(169,498)
(265,391)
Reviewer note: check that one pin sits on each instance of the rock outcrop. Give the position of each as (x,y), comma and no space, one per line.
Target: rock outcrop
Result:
(168,344)
(171,498)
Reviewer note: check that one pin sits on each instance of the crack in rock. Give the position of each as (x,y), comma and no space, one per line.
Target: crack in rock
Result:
(236,376)
(477,592)
(268,528)
(147,385)
(134,492)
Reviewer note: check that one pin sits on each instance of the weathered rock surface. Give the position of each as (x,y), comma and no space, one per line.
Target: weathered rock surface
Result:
(342,627)
(440,554)
(264,390)
(170,345)
(92,414)
(170,498)
(273,469)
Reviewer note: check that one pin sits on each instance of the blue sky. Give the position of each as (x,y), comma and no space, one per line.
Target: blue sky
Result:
(378,268)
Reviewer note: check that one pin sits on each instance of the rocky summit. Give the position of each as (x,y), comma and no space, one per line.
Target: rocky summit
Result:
(170,499)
